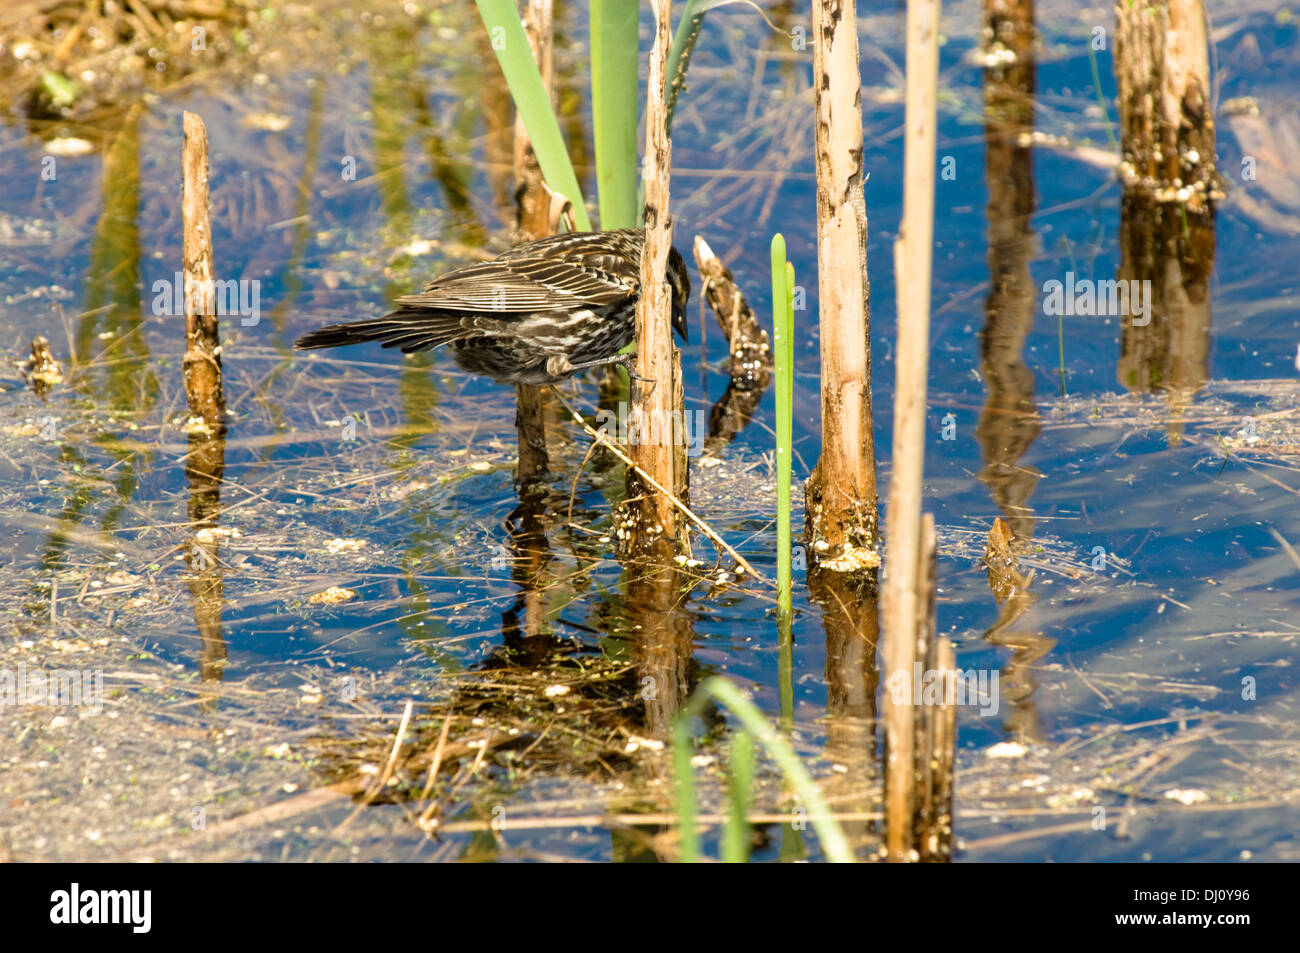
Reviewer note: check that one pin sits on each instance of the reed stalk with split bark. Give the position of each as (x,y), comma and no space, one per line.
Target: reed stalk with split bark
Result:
(841,518)
(649,522)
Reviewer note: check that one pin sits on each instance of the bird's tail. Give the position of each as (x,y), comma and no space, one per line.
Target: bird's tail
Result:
(411,329)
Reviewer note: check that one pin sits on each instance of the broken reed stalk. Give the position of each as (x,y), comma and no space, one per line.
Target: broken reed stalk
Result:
(201,366)
(530,427)
(749,347)
(532,220)
(655,609)
(1009,26)
(649,521)
(841,518)
(679,57)
(936,721)
(201,370)
(924,640)
(681,452)
(750,369)
(912,260)
(1162,68)
(377,786)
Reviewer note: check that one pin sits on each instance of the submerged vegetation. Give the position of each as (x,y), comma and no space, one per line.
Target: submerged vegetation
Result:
(377,590)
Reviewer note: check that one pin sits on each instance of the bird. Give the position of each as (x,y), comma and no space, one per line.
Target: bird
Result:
(537,314)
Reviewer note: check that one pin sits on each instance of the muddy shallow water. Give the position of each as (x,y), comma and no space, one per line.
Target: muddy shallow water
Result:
(368,546)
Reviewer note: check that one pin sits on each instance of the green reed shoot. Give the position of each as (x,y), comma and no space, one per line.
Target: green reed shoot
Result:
(614,110)
(829,833)
(1060,324)
(614,101)
(1101,100)
(740,794)
(783,348)
(501,19)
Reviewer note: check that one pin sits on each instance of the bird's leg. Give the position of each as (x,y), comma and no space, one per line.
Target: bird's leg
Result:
(626,361)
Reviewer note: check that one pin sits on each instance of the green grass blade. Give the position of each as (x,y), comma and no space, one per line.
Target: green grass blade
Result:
(740,790)
(834,844)
(501,18)
(785,670)
(832,838)
(688,838)
(1101,100)
(614,110)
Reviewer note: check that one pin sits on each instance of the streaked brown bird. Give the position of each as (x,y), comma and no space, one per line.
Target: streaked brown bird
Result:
(535,315)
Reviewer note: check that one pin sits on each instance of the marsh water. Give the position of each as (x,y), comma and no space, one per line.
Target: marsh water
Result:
(259,635)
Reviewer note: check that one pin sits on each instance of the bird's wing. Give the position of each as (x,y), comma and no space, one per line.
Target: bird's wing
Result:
(531,283)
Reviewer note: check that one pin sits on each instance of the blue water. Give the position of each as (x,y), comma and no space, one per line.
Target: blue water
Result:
(326,249)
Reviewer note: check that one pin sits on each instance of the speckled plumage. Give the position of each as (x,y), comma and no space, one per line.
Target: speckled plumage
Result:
(534,315)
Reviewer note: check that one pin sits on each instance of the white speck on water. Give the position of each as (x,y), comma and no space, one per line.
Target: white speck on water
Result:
(1007,749)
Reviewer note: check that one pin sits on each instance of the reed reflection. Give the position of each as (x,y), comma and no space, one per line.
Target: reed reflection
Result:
(1010,422)
(1167,242)
(205,466)
(851,619)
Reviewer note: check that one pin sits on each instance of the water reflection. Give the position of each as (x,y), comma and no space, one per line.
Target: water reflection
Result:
(111,347)
(527,637)
(1172,248)
(1166,235)
(1010,422)
(851,619)
(205,467)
